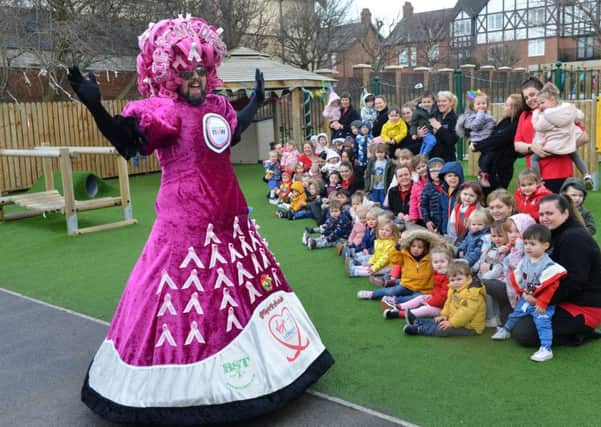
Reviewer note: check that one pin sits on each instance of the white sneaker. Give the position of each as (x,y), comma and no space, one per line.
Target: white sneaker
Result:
(542,355)
(501,334)
(305,238)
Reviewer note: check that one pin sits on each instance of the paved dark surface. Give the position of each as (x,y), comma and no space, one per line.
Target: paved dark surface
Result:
(44,354)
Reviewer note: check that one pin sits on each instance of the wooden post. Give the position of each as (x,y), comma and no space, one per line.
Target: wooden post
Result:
(47,169)
(124,188)
(297,105)
(68,193)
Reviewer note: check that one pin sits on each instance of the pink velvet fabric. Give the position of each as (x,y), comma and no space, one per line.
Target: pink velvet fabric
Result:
(198,191)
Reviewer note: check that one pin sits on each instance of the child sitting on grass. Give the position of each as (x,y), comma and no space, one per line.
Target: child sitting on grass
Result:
(412,265)
(337,227)
(470,247)
(535,279)
(426,305)
(380,262)
(464,311)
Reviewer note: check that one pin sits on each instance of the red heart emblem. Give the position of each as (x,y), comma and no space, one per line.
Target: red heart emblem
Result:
(284,328)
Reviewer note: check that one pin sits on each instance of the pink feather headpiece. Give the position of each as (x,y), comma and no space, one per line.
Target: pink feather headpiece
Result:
(171,46)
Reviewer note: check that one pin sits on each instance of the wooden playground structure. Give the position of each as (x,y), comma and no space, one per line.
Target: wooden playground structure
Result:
(51,200)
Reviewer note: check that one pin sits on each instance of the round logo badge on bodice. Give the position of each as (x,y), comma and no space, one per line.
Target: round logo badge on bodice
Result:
(217,132)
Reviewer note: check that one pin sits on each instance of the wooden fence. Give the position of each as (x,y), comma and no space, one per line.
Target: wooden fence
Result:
(27,125)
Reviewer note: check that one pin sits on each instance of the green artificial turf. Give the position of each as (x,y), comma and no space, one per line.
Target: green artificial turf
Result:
(428,381)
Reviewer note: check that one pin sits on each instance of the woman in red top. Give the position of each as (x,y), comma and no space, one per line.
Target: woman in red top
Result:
(553,169)
(308,156)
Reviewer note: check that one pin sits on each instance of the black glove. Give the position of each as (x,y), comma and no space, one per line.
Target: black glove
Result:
(86,89)
(259,87)
(246,115)
(122,132)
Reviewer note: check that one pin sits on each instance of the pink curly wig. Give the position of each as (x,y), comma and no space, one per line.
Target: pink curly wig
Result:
(171,46)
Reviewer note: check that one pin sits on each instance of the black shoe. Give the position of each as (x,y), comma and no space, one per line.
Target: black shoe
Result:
(391,314)
(309,230)
(410,330)
(409,317)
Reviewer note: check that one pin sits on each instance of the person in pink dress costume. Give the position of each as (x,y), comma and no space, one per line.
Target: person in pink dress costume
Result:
(208,329)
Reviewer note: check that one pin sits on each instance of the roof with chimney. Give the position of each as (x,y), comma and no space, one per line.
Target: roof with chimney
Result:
(471,7)
(345,36)
(415,28)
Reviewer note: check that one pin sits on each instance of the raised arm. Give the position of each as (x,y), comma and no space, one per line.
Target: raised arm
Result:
(246,115)
(122,132)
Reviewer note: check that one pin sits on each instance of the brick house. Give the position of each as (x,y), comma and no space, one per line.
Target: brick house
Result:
(505,32)
(352,44)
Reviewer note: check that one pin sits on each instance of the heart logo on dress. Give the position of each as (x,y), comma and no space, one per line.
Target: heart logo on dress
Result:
(285,329)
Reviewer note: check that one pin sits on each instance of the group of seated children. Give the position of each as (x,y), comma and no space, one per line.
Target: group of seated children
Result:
(420,234)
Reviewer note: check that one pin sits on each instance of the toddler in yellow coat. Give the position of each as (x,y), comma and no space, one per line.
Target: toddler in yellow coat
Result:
(464,311)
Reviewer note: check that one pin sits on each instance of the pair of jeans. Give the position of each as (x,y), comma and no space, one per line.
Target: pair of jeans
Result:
(401,293)
(429,327)
(542,321)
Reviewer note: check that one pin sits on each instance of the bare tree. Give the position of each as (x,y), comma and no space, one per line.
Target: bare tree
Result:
(245,22)
(308,31)
(503,55)
(375,45)
(423,32)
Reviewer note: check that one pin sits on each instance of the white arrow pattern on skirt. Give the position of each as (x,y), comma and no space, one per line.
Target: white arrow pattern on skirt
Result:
(193,303)
(165,336)
(227,300)
(167,306)
(194,334)
(222,279)
(216,256)
(191,257)
(211,236)
(232,320)
(234,254)
(193,280)
(256,264)
(242,273)
(165,278)
(253,293)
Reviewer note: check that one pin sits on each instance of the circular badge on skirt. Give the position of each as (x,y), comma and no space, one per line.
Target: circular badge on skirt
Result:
(217,132)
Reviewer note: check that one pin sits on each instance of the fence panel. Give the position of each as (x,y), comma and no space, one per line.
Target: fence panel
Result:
(27,125)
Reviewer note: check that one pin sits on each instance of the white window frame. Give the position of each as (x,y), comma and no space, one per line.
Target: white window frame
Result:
(494,22)
(536,47)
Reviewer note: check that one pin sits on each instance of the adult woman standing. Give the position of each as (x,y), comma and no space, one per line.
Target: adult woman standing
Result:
(578,297)
(554,169)
(382,109)
(342,128)
(500,144)
(443,125)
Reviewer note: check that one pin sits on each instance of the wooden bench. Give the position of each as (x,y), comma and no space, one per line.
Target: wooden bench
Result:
(50,200)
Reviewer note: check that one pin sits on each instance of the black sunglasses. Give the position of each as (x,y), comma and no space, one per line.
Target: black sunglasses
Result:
(188,74)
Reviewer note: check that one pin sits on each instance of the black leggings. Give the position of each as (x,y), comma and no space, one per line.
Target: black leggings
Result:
(498,291)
